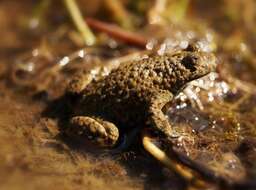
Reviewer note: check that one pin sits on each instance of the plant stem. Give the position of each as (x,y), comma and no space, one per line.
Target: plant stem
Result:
(79,22)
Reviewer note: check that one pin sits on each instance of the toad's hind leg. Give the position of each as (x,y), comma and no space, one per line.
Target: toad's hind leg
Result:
(156,116)
(99,131)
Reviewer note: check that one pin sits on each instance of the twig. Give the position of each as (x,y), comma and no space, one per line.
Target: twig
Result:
(78,20)
(117,32)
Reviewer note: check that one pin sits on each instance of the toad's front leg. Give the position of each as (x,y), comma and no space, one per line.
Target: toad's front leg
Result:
(99,131)
(79,82)
(156,116)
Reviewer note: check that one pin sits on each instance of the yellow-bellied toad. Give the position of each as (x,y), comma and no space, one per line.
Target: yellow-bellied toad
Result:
(134,94)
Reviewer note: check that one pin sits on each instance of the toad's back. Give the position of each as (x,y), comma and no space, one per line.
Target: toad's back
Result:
(134,78)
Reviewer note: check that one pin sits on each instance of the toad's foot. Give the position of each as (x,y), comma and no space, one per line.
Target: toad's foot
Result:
(100,132)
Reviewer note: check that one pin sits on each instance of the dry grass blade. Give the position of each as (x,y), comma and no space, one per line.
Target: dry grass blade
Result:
(184,172)
(119,13)
(78,20)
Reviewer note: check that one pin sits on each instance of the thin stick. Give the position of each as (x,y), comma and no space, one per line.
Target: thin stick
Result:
(78,20)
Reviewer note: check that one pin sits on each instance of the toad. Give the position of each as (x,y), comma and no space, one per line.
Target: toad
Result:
(133,95)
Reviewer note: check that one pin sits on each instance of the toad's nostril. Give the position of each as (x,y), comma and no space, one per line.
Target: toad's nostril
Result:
(189,62)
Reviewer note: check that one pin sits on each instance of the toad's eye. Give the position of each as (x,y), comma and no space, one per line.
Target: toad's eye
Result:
(193,48)
(189,62)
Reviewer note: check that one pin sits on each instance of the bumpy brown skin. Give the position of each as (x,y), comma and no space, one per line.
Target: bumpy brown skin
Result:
(134,94)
